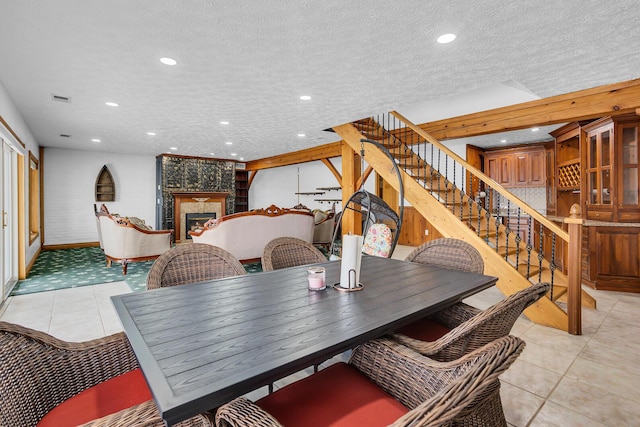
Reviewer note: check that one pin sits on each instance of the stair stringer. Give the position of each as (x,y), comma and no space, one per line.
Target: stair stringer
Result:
(543,312)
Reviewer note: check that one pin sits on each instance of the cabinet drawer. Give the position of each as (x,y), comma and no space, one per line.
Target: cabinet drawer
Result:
(600,216)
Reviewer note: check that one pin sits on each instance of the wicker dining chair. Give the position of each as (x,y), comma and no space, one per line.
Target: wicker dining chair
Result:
(286,252)
(448,253)
(461,328)
(386,383)
(192,263)
(57,383)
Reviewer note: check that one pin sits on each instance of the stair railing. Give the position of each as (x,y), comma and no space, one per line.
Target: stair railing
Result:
(525,238)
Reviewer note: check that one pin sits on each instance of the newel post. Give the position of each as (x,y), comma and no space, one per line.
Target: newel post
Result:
(574,298)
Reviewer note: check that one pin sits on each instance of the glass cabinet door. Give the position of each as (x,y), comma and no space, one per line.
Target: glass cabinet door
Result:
(629,187)
(599,178)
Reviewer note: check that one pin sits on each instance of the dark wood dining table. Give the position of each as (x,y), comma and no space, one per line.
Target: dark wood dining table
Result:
(201,345)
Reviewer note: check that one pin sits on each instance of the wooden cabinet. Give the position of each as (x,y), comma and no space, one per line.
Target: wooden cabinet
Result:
(500,168)
(611,169)
(568,168)
(517,167)
(611,258)
(529,168)
(242,191)
(550,180)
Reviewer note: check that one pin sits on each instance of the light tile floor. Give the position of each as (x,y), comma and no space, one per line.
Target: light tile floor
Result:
(559,380)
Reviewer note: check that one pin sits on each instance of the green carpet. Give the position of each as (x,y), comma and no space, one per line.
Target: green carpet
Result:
(71,268)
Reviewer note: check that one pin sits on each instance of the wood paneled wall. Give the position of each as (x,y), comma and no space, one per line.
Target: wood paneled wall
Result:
(413,229)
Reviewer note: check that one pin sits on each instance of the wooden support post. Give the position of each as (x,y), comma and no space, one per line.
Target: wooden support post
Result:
(351,172)
(574,292)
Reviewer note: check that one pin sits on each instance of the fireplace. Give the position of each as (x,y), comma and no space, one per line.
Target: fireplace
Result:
(196,221)
(209,204)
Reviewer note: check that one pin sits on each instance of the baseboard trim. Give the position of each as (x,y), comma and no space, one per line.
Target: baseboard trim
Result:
(70,246)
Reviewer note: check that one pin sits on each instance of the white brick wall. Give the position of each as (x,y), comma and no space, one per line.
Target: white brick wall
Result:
(69,192)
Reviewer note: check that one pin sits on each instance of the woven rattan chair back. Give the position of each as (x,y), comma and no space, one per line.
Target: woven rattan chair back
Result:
(465,392)
(38,372)
(472,399)
(448,253)
(472,328)
(192,263)
(286,252)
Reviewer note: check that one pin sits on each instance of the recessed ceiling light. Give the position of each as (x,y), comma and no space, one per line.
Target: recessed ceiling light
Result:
(234,154)
(301,135)
(503,140)
(212,154)
(224,123)
(305,97)
(173,148)
(241,158)
(151,133)
(229,143)
(535,129)
(168,61)
(446,38)
(111,104)
(95,140)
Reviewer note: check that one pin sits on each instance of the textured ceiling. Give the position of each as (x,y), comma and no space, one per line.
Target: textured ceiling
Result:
(247,62)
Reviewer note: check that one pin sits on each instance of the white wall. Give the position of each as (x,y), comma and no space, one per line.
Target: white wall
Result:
(278,186)
(69,192)
(10,114)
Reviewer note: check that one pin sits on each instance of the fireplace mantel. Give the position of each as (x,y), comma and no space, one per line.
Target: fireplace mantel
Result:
(194,197)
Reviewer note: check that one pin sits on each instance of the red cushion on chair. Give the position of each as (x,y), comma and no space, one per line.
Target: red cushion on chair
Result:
(336,396)
(106,398)
(424,330)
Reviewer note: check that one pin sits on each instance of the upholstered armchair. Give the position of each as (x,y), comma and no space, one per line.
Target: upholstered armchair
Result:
(125,242)
(323,228)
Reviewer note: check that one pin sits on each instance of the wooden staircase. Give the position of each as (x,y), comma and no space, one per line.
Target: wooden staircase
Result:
(456,214)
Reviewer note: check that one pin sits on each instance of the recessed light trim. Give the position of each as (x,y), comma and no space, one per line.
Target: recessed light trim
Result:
(234,154)
(535,129)
(446,38)
(503,140)
(168,61)
(173,148)
(224,122)
(111,104)
(228,143)
(95,140)
(305,97)
(301,135)
(151,133)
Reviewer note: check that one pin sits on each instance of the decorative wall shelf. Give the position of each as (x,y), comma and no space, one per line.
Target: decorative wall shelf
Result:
(105,186)
(329,188)
(311,193)
(327,200)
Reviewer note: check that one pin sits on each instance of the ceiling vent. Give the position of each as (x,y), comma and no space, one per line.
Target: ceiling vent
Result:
(64,135)
(60,98)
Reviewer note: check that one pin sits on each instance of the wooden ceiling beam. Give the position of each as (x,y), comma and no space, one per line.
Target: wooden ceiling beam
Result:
(608,100)
(325,151)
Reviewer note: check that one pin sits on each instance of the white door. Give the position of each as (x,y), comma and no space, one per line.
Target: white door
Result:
(8,267)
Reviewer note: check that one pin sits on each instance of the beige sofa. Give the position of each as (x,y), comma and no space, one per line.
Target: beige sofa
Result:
(123,241)
(245,234)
